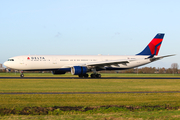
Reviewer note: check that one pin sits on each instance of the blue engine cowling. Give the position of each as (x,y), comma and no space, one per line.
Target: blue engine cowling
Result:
(78,70)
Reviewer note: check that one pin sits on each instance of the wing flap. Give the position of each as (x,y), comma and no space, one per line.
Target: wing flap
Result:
(99,64)
(107,63)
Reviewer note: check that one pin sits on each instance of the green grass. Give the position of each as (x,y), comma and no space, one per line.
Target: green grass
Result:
(150,115)
(88,85)
(18,102)
(21,101)
(151,99)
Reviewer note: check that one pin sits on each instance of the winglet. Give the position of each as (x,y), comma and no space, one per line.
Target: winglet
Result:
(154,46)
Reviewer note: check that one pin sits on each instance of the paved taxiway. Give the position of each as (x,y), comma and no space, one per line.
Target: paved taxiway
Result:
(91,92)
(90,78)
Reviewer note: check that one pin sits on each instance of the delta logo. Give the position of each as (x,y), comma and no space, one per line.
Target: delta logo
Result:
(35,58)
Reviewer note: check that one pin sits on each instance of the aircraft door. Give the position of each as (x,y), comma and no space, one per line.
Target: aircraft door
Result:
(54,61)
(21,61)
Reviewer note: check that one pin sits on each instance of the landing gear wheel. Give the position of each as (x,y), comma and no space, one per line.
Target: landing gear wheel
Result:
(80,76)
(93,76)
(86,76)
(22,75)
(98,75)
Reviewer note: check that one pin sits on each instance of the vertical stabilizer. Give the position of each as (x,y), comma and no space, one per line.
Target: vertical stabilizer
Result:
(154,46)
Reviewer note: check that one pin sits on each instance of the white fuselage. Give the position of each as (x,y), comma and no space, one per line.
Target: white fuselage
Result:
(50,62)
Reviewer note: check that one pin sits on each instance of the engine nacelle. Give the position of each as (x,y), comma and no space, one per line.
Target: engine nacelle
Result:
(58,72)
(78,70)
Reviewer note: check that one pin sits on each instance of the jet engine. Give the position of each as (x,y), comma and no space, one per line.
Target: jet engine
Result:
(78,70)
(58,72)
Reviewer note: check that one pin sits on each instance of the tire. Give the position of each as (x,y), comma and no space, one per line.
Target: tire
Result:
(98,75)
(22,75)
(93,76)
(86,76)
(80,76)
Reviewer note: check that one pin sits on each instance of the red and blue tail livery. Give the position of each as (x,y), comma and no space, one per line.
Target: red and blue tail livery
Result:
(154,46)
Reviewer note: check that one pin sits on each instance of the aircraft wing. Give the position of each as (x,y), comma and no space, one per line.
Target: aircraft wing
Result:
(106,63)
(100,64)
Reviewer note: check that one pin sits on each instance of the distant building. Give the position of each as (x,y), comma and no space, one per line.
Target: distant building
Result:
(1,67)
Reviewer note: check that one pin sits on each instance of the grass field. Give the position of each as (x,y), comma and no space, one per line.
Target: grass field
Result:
(88,85)
(92,106)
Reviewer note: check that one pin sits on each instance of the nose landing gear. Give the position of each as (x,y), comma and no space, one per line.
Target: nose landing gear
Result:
(22,75)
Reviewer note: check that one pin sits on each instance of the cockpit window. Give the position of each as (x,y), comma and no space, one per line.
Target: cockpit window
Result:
(10,59)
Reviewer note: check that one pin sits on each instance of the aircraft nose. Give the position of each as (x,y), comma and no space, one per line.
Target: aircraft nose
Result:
(5,64)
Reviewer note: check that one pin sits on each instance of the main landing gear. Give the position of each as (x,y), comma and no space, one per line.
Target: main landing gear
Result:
(92,76)
(22,75)
(95,75)
(84,75)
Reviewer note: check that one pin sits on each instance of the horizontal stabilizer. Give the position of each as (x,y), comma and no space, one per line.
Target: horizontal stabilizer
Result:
(160,57)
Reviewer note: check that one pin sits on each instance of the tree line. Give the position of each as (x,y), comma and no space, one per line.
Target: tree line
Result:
(151,70)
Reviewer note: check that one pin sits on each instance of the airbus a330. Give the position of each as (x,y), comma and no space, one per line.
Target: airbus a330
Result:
(82,64)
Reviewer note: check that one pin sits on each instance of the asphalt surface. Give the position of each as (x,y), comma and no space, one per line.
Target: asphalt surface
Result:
(90,78)
(91,92)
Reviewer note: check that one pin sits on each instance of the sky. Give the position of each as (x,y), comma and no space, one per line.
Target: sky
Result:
(88,27)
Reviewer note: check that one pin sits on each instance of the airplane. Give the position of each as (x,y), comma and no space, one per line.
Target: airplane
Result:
(82,64)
